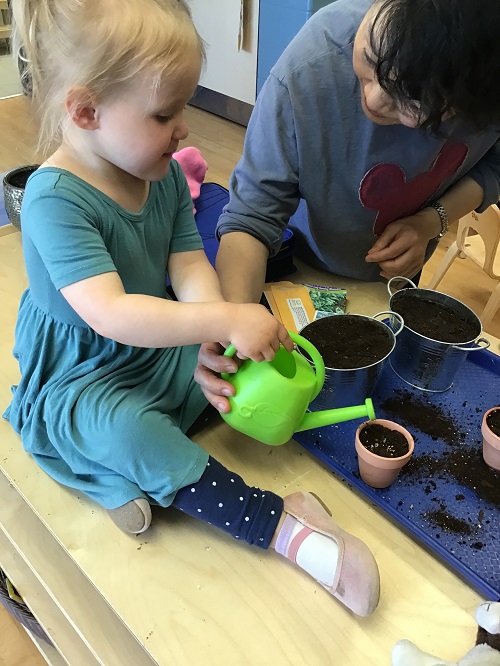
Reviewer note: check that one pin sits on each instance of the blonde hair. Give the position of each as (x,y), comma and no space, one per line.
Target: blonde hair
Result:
(100,45)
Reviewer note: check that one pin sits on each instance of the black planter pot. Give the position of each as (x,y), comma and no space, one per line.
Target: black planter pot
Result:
(14,184)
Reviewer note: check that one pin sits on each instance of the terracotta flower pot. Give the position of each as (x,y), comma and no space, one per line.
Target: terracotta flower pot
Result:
(491,442)
(378,471)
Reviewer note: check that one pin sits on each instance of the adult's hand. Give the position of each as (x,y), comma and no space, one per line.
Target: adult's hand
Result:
(400,249)
(211,362)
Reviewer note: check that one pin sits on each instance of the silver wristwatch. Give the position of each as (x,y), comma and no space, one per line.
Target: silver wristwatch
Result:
(443,217)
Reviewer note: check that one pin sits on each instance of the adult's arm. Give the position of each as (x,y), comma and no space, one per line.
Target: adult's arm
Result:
(241,267)
(264,194)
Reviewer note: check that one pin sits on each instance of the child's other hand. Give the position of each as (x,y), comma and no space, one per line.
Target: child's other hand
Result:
(256,333)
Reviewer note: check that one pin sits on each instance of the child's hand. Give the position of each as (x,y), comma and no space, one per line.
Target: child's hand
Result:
(256,333)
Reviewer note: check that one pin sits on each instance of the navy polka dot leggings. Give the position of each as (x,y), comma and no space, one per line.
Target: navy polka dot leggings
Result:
(221,498)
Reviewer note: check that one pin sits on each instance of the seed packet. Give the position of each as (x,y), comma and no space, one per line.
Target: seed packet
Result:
(292,304)
(320,314)
(296,305)
(327,300)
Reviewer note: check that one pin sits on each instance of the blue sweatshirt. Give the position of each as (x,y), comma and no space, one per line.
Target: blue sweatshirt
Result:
(309,142)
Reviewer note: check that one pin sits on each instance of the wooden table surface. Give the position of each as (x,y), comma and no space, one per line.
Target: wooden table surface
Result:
(185,593)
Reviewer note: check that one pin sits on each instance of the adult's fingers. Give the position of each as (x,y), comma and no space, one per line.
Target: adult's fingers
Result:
(394,250)
(214,388)
(384,240)
(211,355)
(408,271)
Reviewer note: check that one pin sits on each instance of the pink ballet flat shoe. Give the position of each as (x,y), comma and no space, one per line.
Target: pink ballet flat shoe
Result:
(356,582)
(134,517)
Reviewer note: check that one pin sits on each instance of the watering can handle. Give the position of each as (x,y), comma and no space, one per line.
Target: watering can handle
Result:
(307,346)
(399,277)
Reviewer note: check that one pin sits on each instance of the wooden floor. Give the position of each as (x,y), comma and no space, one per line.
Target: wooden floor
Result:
(221,144)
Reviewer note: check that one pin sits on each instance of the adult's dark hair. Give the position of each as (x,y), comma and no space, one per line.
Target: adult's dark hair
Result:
(443,54)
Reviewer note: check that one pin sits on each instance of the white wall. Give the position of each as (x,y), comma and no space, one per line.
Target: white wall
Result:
(228,71)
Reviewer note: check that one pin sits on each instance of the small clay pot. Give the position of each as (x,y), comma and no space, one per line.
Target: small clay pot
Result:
(491,442)
(378,471)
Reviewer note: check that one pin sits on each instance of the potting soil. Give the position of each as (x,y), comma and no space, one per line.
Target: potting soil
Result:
(435,321)
(349,342)
(410,409)
(383,442)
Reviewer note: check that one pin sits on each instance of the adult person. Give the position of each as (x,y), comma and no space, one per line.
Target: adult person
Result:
(381,119)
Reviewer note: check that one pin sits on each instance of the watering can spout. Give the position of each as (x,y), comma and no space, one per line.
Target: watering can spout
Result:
(331,416)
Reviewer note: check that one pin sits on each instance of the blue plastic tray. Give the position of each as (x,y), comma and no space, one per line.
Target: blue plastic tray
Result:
(437,507)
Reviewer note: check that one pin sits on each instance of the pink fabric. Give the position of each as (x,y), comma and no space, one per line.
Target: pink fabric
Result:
(285,534)
(285,544)
(194,167)
(297,542)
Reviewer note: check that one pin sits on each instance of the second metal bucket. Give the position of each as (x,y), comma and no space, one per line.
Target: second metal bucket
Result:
(348,387)
(424,363)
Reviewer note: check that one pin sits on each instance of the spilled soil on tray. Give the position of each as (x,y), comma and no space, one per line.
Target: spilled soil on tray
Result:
(440,518)
(464,465)
(446,523)
(418,412)
(460,463)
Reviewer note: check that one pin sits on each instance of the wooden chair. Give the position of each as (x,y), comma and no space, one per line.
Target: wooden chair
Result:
(482,248)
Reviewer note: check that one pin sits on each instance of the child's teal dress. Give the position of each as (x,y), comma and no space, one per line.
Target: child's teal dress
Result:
(104,418)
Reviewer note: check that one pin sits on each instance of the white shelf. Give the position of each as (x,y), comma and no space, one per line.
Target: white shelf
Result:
(49,653)
(81,623)
(66,641)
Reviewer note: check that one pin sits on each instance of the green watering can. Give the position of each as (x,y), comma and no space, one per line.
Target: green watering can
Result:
(272,397)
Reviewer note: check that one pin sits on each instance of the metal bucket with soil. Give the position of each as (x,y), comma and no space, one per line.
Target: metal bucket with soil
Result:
(438,333)
(354,349)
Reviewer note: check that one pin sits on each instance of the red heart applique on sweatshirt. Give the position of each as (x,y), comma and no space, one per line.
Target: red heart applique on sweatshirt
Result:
(385,188)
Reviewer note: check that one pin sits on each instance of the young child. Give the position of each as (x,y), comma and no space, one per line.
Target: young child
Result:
(107,391)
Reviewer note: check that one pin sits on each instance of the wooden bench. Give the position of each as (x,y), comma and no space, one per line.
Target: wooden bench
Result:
(184,593)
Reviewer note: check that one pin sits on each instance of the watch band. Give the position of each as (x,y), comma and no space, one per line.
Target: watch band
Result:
(441,211)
